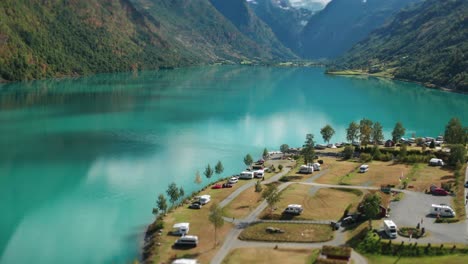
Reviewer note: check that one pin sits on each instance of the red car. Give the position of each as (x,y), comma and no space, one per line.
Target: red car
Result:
(439,191)
(217,186)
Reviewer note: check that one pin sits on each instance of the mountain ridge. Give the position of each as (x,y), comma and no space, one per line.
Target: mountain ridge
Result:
(425,43)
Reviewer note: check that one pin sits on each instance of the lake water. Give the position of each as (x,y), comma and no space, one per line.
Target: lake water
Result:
(83,160)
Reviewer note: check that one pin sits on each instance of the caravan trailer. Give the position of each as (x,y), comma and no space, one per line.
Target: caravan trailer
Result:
(442,210)
(180,229)
(306,169)
(246,175)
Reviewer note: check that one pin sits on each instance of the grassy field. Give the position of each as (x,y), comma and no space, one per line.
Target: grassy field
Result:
(380,173)
(336,169)
(271,256)
(243,204)
(421,176)
(451,259)
(325,204)
(293,232)
(200,226)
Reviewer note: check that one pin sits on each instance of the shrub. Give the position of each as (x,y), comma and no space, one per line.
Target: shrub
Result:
(258,186)
(348,152)
(364,157)
(280,167)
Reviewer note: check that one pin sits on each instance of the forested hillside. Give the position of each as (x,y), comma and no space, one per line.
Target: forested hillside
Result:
(426,43)
(343,23)
(40,39)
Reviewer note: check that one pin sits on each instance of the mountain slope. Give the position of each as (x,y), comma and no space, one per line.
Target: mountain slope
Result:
(343,23)
(427,43)
(245,20)
(285,20)
(40,39)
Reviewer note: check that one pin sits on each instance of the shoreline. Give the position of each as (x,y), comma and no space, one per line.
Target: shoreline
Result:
(354,73)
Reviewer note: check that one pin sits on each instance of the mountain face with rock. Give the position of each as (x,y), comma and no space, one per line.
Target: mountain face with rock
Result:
(426,43)
(41,39)
(284,19)
(335,29)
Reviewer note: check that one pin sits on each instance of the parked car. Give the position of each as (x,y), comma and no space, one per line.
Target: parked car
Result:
(466,184)
(227,185)
(195,205)
(233,180)
(260,161)
(217,186)
(439,191)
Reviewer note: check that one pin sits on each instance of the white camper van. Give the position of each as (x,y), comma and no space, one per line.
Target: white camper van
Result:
(436,162)
(204,199)
(442,210)
(180,229)
(363,168)
(306,169)
(390,228)
(293,209)
(246,175)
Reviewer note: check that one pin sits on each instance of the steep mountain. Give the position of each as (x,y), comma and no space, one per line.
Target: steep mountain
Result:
(245,20)
(312,5)
(40,39)
(285,20)
(335,29)
(426,43)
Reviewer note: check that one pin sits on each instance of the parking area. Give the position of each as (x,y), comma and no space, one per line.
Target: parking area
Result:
(415,207)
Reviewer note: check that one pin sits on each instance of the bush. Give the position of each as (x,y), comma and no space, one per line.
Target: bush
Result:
(258,186)
(348,152)
(365,157)
(280,167)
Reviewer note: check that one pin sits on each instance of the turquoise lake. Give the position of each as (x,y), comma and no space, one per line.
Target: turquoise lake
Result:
(83,160)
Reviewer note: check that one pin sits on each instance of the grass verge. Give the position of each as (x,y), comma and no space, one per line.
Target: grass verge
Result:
(271,256)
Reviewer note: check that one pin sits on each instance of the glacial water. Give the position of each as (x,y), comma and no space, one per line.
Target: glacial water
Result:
(83,160)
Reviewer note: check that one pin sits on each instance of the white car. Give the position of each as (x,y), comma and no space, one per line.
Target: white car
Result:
(233,180)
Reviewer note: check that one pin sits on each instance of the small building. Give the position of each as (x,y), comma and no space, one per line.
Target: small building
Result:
(389,143)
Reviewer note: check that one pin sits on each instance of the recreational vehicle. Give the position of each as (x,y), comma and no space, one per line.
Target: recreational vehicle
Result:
(204,199)
(293,209)
(442,210)
(390,228)
(246,175)
(306,169)
(180,229)
(363,168)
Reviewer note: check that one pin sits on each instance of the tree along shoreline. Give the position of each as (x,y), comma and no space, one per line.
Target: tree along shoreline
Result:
(393,78)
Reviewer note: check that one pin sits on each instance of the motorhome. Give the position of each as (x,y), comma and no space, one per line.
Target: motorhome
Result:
(306,169)
(204,199)
(363,168)
(293,209)
(187,241)
(246,175)
(442,210)
(316,166)
(259,173)
(180,229)
(436,162)
(390,228)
